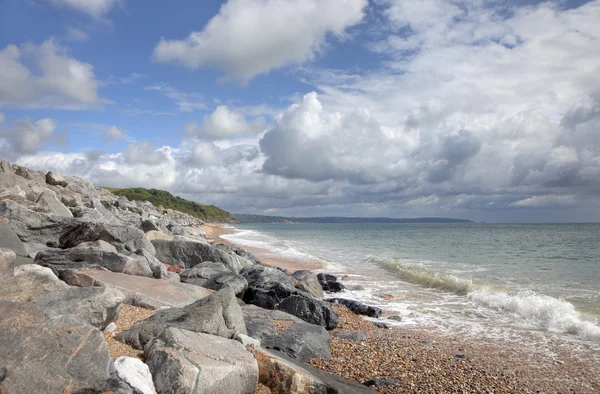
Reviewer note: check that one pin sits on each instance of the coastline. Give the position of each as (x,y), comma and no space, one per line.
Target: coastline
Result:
(422,359)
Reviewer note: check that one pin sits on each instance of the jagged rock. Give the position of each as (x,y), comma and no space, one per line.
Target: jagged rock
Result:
(357,307)
(33,249)
(92,255)
(269,298)
(38,270)
(136,374)
(13,191)
(329,283)
(214,276)
(149,225)
(350,336)
(298,338)
(219,314)
(188,362)
(283,374)
(8,178)
(265,277)
(7,262)
(156,266)
(310,310)
(70,199)
(33,226)
(56,180)
(307,281)
(187,254)
(96,306)
(140,291)
(125,238)
(49,200)
(27,287)
(246,340)
(40,355)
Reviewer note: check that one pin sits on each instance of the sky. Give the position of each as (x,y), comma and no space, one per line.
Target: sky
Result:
(474,109)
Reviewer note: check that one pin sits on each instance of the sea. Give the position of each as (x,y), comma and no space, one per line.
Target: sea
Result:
(528,284)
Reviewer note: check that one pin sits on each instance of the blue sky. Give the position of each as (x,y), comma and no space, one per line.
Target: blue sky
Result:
(464,108)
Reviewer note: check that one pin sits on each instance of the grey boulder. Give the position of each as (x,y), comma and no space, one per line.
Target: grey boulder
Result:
(218,314)
(10,240)
(7,262)
(56,180)
(136,374)
(357,307)
(307,281)
(125,238)
(28,287)
(265,277)
(183,361)
(310,310)
(214,276)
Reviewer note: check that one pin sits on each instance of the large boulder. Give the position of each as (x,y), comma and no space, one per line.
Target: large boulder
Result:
(218,314)
(28,287)
(7,262)
(56,179)
(265,277)
(187,254)
(10,240)
(330,283)
(269,298)
(214,276)
(52,202)
(310,310)
(125,238)
(183,361)
(92,255)
(39,355)
(156,266)
(282,374)
(357,307)
(281,331)
(96,306)
(307,281)
(136,374)
(145,292)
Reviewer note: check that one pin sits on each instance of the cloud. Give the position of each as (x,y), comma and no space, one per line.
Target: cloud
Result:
(56,81)
(112,134)
(251,37)
(74,34)
(94,8)
(2,118)
(545,202)
(143,153)
(186,102)
(28,136)
(225,123)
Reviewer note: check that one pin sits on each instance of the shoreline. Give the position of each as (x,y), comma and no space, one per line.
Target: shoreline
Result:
(424,360)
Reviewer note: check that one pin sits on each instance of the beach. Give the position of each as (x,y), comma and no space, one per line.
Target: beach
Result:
(424,360)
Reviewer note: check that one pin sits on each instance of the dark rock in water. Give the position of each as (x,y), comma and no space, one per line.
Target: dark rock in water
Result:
(218,314)
(96,306)
(329,283)
(307,281)
(381,382)
(395,317)
(183,361)
(125,238)
(265,277)
(187,254)
(291,335)
(350,336)
(214,276)
(310,310)
(40,355)
(357,307)
(149,225)
(379,324)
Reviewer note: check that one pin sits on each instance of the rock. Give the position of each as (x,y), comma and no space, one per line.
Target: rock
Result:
(136,374)
(34,249)
(7,262)
(49,200)
(246,340)
(96,306)
(282,374)
(219,314)
(49,356)
(329,283)
(214,276)
(187,254)
(379,324)
(92,255)
(271,297)
(14,191)
(56,180)
(38,270)
(156,266)
(70,199)
(148,225)
(265,277)
(350,336)
(357,307)
(310,310)
(144,292)
(27,287)
(324,277)
(173,277)
(395,317)
(307,281)
(158,235)
(183,361)
(125,238)
(380,382)
(112,327)
(10,240)
(281,331)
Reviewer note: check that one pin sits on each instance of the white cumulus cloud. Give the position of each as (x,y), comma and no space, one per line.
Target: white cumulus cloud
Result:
(225,123)
(94,8)
(112,134)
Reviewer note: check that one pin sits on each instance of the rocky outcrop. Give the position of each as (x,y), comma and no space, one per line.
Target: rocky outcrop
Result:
(182,361)
(39,355)
(218,314)
(214,276)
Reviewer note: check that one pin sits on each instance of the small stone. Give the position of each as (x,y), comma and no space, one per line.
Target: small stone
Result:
(112,327)
(136,374)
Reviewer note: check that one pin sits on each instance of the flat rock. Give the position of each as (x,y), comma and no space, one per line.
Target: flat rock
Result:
(136,374)
(183,361)
(96,306)
(214,276)
(218,314)
(283,374)
(281,331)
(39,355)
(28,287)
(307,281)
(144,292)
(126,239)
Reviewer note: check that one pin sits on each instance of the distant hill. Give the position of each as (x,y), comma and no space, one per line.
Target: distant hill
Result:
(244,218)
(207,213)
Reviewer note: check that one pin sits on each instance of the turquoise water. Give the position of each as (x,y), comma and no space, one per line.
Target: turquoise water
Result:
(497,280)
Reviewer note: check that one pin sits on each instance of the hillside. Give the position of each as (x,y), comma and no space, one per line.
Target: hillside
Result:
(207,213)
(244,218)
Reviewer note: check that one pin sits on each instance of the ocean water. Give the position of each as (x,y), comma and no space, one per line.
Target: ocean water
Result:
(537,284)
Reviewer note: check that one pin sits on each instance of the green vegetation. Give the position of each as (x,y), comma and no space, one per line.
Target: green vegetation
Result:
(207,213)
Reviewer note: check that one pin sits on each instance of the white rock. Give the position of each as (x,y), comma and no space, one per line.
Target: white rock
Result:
(112,327)
(34,269)
(246,340)
(135,373)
